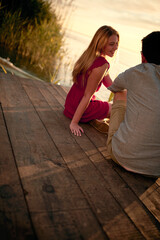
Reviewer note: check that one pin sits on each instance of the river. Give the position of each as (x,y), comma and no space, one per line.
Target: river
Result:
(132,19)
(81,19)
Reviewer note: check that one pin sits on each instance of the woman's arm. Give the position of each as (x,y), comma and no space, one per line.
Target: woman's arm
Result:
(92,84)
(107,81)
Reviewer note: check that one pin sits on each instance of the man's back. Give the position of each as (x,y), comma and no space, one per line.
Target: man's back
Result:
(136,144)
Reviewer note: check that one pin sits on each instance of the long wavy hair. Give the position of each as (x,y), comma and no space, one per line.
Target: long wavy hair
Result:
(95,49)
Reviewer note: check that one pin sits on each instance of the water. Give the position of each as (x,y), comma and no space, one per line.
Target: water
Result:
(132,19)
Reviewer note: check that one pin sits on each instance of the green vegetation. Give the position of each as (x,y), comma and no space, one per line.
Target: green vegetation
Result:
(30,31)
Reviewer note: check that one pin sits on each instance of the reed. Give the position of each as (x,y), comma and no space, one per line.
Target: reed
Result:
(35,39)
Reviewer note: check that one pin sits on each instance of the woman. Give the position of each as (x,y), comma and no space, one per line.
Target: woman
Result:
(90,71)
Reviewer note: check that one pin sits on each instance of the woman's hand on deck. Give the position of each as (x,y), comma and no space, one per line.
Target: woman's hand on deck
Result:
(76,129)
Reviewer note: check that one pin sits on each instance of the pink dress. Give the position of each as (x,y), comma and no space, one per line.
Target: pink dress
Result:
(96,109)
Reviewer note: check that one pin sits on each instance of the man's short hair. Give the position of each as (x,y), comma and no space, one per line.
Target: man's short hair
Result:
(151,47)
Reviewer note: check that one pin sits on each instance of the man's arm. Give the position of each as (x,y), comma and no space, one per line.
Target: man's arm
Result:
(119,84)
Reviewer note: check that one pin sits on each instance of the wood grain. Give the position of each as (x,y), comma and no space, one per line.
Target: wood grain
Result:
(55,186)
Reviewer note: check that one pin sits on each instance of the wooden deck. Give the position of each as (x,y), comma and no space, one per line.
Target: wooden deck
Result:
(55,186)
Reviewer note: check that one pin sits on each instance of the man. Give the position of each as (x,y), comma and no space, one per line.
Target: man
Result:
(134,130)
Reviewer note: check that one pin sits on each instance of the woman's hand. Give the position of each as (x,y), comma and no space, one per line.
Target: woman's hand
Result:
(76,129)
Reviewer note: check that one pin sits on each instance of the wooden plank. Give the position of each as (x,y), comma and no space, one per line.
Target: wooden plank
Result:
(135,209)
(49,185)
(64,225)
(88,189)
(15,222)
(116,224)
(139,185)
(151,199)
(146,189)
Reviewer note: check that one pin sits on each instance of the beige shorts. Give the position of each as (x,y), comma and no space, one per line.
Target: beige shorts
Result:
(117,116)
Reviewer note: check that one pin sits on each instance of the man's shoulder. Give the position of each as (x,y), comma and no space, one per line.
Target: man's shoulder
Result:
(138,67)
(130,71)
(142,68)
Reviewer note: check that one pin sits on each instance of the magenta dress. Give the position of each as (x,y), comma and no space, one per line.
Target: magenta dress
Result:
(96,109)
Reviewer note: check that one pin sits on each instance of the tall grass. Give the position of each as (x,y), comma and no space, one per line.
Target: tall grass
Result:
(35,38)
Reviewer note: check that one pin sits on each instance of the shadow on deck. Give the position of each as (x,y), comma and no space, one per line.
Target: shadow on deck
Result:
(55,186)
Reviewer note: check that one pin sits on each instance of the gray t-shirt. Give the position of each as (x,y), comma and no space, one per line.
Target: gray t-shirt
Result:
(136,144)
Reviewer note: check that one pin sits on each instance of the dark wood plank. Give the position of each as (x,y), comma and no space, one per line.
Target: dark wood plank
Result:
(134,203)
(51,190)
(90,180)
(139,185)
(15,222)
(76,187)
(151,199)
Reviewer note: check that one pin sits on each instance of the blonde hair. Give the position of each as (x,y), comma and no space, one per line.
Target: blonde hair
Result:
(95,49)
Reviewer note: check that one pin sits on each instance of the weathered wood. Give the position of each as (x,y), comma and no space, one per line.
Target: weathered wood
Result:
(50,188)
(15,222)
(86,182)
(127,183)
(67,187)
